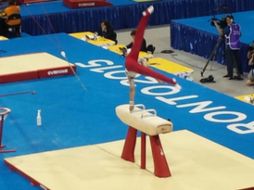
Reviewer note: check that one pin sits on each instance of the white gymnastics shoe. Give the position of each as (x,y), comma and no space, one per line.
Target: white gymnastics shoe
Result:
(150,9)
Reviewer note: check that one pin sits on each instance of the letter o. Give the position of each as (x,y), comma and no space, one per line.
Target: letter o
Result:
(149,90)
(110,74)
(238,116)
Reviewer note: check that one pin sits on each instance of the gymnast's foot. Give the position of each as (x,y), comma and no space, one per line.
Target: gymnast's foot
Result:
(178,87)
(149,10)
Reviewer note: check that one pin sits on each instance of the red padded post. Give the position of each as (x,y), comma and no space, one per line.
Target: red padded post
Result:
(129,145)
(161,168)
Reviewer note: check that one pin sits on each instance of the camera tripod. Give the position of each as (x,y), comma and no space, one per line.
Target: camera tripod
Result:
(212,54)
(211,58)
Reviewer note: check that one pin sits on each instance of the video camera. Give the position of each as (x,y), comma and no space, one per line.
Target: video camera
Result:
(221,22)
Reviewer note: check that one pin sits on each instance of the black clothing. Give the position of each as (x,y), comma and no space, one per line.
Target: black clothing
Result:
(143,46)
(232,58)
(111,35)
(2,27)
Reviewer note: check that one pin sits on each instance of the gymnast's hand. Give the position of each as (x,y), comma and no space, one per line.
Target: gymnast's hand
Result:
(131,108)
(131,105)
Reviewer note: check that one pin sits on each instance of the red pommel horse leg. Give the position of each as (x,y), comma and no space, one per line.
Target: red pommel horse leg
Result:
(129,145)
(3,113)
(149,124)
(161,168)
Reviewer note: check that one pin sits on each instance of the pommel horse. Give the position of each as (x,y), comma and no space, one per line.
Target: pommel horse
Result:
(148,123)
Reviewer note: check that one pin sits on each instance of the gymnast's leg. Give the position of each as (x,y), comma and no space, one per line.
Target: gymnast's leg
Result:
(149,72)
(139,36)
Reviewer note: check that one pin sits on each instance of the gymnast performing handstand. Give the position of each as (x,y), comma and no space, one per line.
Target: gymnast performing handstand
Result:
(134,66)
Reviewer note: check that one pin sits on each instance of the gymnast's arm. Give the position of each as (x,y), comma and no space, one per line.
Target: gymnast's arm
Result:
(131,93)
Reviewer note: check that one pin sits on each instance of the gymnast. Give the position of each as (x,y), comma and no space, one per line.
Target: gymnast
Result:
(135,66)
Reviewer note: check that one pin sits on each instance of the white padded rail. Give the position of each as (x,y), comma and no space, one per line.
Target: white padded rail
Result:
(144,120)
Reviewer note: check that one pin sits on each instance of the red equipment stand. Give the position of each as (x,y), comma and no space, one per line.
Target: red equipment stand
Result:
(161,168)
(3,113)
(85,3)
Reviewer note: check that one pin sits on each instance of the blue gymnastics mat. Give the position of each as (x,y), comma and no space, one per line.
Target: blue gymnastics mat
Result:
(80,110)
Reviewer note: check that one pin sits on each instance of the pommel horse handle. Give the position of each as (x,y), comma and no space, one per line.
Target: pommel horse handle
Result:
(149,113)
(139,107)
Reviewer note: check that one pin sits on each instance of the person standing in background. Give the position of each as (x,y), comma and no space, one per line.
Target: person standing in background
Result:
(232,33)
(11,20)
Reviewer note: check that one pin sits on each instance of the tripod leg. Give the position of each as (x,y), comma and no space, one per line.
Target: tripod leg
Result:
(212,55)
